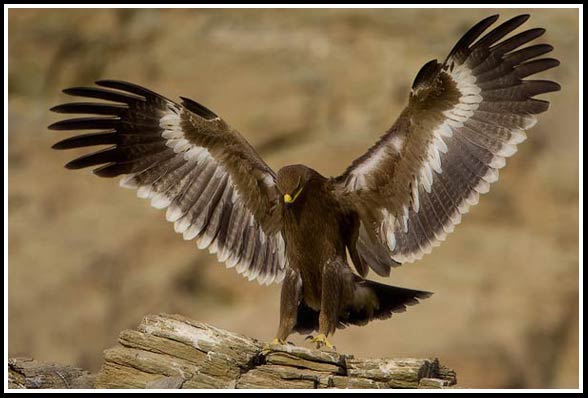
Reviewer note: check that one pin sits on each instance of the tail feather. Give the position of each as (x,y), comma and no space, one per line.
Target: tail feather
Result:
(373,300)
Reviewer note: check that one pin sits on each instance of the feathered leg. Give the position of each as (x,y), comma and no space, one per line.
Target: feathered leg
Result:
(337,285)
(290,299)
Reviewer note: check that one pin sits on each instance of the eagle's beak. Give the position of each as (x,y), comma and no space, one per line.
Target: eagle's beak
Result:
(290,199)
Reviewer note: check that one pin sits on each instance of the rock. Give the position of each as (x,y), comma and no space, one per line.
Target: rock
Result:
(172,352)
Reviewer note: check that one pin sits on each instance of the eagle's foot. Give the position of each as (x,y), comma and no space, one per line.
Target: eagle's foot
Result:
(321,341)
(275,341)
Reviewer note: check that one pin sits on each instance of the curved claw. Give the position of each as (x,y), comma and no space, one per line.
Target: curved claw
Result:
(275,341)
(320,341)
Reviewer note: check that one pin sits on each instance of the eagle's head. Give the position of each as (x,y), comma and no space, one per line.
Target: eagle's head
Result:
(292,180)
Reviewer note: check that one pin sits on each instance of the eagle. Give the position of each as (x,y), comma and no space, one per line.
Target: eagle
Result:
(391,206)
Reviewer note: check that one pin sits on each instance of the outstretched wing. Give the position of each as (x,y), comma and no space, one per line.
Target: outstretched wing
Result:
(464,118)
(215,187)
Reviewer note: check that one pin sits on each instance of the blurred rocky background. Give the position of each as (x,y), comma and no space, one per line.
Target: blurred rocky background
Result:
(87,259)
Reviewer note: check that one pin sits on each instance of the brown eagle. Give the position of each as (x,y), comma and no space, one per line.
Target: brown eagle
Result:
(392,205)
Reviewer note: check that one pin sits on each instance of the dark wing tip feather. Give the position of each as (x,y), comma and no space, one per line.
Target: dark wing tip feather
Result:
(500,31)
(531,34)
(516,41)
(514,22)
(77,91)
(198,109)
(106,155)
(88,123)
(523,17)
(118,84)
(113,169)
(471,35)
(538,87)
(426,75)
(95,108)
(424,295)
(127,87)
(84,140)
(532,67)
(104,94)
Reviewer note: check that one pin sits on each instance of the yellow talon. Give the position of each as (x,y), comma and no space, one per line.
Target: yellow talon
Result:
(275,341)
(321,340)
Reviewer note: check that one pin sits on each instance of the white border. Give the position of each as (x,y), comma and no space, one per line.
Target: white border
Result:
(292,6)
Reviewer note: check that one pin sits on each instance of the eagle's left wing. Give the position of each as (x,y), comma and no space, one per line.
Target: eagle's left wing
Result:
(464,117)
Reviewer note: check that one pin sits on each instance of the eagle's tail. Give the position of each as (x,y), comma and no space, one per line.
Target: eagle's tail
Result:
(371,300)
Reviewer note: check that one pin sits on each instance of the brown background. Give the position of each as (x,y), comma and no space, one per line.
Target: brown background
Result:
(312,86)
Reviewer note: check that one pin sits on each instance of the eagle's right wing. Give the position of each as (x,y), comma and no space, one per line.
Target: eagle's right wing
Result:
(184,158)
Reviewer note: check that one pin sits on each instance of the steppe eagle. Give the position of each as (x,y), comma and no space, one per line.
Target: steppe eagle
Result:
(391,206)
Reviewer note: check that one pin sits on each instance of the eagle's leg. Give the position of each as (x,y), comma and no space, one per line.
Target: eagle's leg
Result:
(289,300)
(332,290)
